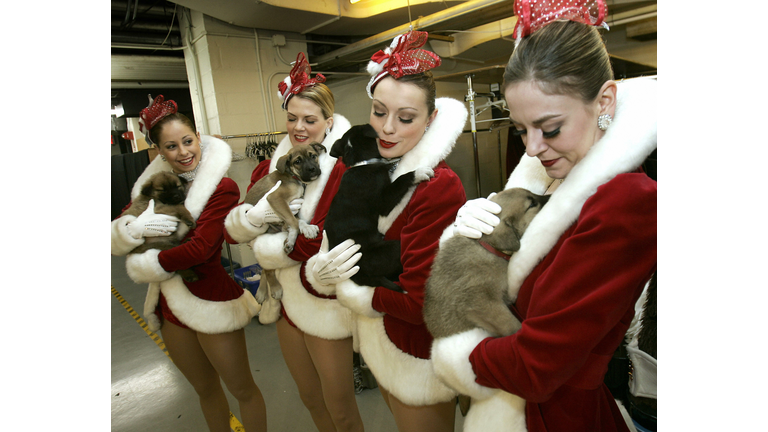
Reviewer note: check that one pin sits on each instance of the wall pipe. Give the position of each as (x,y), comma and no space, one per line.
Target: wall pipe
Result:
(196,70)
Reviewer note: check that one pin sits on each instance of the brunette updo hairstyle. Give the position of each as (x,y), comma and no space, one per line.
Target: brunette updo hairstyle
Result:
(563,58)
(425,81)
(154,133)
(321,95)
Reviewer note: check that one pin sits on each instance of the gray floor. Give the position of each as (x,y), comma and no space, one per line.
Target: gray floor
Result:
(149,393)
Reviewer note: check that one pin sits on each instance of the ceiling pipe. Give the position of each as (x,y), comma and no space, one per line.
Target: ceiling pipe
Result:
(386,37)
(323,24)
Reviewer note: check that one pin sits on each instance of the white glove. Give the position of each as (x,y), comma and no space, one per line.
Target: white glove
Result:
(337,265)
(477,217)
(263,213)
(151,224)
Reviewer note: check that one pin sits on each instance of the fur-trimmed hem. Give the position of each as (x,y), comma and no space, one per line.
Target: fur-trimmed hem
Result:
(359,299)
(318,286)
(205,316)
(450,358)
(145,267)
(122,241)
(410,379)
(268,249)
(237,225)
(323,318)
(502,411)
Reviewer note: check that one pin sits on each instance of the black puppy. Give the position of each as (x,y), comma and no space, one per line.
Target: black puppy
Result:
(365,193)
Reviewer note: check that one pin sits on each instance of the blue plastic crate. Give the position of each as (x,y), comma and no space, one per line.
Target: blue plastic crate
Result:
(245,272)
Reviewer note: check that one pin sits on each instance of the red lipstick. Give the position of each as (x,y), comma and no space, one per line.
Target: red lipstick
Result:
(386,144)
(549,163)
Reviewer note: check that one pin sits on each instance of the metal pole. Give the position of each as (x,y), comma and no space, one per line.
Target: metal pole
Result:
(471,99)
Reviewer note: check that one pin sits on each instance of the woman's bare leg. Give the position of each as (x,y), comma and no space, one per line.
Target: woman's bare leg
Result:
(302,369)
(228,354)
(189,357)
(429,418)
(334,365)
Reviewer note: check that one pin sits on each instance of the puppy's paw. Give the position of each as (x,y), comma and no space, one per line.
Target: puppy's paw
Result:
(277,293)
(421,174)
(288,246)
(309,231)
(261,294)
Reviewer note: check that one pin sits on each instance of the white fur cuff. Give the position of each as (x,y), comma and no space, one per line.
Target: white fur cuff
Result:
(122,241)
(268,249)
(145,267)
(450,360)
(317,285)
(358,299)
(239,228)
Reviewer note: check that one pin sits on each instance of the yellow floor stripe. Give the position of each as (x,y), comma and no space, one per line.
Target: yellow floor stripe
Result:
(234,423)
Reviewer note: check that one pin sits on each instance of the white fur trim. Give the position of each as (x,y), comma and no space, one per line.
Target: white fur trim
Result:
(450,358)
(145,267)
(207,316)
(409,378)
(531,175)
(238,227)
(357,298)
(122,241)
(323,318)
(317,285)
(623,148)
(268,249)
(217,156)
(150,303)
(501,412)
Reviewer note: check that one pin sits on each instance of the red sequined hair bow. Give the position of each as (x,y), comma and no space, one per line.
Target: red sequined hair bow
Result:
(402,57)
(157,110)
(535,14)
(297,80)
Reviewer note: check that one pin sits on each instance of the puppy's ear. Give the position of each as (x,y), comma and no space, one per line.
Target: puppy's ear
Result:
(319,148)
(282,163)
(337,149)
(369,131)
(147,189)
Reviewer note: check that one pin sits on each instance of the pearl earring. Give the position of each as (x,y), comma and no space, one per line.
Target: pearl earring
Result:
(604,121)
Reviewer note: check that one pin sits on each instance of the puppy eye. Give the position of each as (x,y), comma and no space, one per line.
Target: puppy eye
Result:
(297,161)
(532,204)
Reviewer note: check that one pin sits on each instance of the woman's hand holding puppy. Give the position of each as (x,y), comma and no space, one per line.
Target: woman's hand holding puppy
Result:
(263,213)
(151,224)
(336,265)
(477,217)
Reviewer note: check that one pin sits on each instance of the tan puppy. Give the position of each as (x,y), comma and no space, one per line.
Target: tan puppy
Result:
(294,170)
(169,192)
(467,287)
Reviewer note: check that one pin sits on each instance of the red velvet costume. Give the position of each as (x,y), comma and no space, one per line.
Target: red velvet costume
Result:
(214,303)
(582,265)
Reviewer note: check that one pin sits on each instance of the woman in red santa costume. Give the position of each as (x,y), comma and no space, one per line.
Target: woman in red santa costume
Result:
(202,322)
(314,330)
(585,258)
(415,131)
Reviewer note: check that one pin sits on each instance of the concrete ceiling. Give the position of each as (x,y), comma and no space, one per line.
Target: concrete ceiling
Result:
(475,31)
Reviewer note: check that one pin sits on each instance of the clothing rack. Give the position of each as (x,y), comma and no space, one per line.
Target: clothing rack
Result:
(258,145)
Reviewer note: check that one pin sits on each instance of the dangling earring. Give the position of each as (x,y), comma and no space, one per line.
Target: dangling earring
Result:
(327,131)
(604,121)
(426,129)
(163,158)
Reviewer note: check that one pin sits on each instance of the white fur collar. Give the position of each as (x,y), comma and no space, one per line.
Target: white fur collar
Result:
(217,156)
(623,148)
(315,189)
